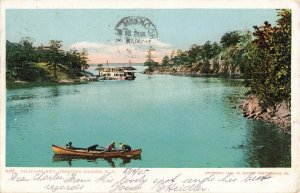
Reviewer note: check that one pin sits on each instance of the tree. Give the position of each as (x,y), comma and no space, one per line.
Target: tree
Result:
(41,53)
(180,58)
(269,65)
(84,59)
(71,60)
(76,61)
(165,61)
(283,40)
(206,51)
(230,39)
(209,51)
(235,56)
(215,50)
(20,57)
(54,54)
(149,61)
(13,59)
(193,52)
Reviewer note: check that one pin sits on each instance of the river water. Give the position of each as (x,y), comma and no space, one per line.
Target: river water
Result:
(179,122)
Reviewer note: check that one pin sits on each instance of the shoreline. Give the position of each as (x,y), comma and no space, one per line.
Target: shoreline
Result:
(192,71)
(279,114)
(62,79)
(24,84)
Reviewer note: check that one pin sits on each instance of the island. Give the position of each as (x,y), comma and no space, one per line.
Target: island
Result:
(26,63)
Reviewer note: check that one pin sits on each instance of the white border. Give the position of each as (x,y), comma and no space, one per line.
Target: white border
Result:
(147,4)
(288,183)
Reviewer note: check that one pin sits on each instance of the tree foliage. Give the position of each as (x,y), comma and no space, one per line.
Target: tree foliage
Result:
(165,61)
(150,62)
(235,55)
(209,51)
(55,54)
(231,39)
(269,66)
(22,59)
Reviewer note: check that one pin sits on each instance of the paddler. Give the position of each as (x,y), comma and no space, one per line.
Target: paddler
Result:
(125,147)
(110,147)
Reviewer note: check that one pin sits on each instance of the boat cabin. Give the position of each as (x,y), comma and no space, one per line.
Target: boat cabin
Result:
(116,73)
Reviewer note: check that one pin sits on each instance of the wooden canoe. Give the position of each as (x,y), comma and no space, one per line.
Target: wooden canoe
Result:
(96,153)
(59,158)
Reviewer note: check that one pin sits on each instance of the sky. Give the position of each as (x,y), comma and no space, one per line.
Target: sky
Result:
(94,29)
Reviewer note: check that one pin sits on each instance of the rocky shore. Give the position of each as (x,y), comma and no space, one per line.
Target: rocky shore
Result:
(193,70)
(58,81)
(279,114)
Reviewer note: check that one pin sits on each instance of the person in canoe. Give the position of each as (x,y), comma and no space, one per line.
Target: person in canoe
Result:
(111,147)
(125,147)
(92,148)
(69,145)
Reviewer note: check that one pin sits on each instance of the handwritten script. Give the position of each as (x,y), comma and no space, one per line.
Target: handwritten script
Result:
(130,180)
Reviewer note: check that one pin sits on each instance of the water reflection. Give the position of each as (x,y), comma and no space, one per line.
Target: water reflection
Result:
(54,91)
(44,93)
(19,109)
(110,161)
(267,147)
(27,99)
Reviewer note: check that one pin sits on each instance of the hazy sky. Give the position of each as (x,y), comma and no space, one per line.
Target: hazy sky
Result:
(95,29)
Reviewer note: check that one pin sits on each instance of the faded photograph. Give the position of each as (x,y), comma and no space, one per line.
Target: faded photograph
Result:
(148,88)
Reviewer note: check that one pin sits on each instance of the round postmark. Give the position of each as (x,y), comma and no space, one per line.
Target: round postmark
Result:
(135,30)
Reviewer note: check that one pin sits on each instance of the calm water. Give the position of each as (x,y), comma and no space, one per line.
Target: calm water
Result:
(177,121)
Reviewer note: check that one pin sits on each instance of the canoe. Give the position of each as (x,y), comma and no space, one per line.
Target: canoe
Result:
(94,153)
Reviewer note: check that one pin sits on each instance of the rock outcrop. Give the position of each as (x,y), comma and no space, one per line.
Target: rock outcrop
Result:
(197,69)
(279,114)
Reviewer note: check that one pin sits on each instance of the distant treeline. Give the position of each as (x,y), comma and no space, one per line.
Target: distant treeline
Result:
(23,61)
(263,57)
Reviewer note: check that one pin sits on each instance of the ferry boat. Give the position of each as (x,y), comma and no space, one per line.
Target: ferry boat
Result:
(116,73)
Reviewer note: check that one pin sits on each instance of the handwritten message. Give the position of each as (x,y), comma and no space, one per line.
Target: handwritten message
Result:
(131,180)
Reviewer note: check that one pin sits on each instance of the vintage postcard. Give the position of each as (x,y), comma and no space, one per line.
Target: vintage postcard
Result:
(149,96)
